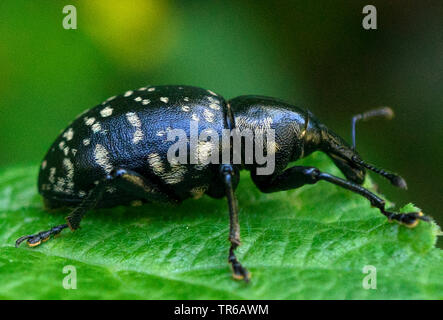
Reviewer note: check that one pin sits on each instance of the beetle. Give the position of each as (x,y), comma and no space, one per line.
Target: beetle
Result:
(116,153)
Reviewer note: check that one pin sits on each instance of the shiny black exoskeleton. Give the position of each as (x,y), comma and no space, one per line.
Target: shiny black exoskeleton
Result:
(116,154)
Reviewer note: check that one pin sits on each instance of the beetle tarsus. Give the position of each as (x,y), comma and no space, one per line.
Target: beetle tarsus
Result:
(238,271)
(409,219)
(34,240)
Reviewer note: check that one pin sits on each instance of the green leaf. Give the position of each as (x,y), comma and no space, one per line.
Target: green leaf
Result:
(310,243)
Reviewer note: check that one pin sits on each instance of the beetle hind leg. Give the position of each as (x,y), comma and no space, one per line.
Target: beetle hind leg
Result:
(128,180)
(34,240)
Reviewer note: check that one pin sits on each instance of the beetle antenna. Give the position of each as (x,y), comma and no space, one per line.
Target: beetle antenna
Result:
(395,179)
(384,112)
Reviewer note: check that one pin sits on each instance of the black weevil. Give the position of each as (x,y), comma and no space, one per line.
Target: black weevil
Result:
(116,153)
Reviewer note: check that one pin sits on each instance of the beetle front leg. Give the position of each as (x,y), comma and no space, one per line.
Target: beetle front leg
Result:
(238,271)
(409,219)
(298,176)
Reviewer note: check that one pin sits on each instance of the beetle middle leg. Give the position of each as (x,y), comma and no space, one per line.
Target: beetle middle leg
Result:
(238,271)
(127,180)
(298,176)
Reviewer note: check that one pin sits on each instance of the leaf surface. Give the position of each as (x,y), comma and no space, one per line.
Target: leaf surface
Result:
(309,243)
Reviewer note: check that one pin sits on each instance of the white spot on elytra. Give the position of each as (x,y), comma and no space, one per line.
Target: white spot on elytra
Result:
(142,89)
(163,132)
(81,194)
(146,101)
(60,186)
(106,112)
(214,106)
(176,174)
(164,99)
(212,99)
(61,145)
(195,117)
(186,99)
(66,151)
(74,151)
(101,156)
(213,93)
(69,167)
(52,175)
(134,120)
(66,185)
(89,121)
(128,93)
(138,99)
(151,89)
(156,163)
(96,127)
(44,164)
(86,142)
(185,108)
(69,134)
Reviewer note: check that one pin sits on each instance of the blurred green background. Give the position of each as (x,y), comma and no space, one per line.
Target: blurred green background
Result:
(314,54)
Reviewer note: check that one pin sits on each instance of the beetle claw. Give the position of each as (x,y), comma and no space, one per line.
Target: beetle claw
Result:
(239,272)
(20,240)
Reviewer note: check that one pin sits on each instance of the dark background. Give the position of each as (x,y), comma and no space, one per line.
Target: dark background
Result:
(314,54)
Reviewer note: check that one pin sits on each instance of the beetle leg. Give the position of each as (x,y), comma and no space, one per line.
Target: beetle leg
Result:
(123,179)
(36,239)
(238,271)
(298,176)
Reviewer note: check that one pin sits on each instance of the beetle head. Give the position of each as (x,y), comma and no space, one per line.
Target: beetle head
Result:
(343,156)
